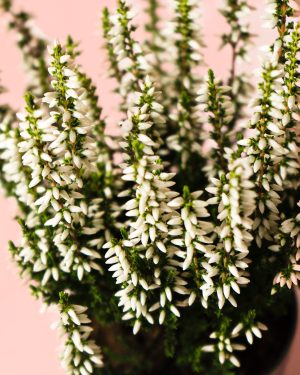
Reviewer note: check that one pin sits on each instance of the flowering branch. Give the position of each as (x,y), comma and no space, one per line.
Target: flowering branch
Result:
(214,100)
(227,263)
(125,54)
(81,355)
(33,46)
(157,40)
(239,37)
(288,242)
(147,245)
(188,43)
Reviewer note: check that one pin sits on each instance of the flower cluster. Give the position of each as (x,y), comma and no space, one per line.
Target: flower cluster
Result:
(12,176)
(108,186)
(192,235)
(224,348)
(188,44)
(107,26)
(224,336)
(288,104)
(215,102)
(273,150)
(126,57)
(259,149)
(250,327)
(238,38)
(33,46)
(148,237)
(59,150)
(227,264)
(276,13)
(188,40)
(81,354)
(157,41)
(288,242)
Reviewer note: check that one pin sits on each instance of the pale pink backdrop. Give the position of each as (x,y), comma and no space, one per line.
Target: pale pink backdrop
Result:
(27,345)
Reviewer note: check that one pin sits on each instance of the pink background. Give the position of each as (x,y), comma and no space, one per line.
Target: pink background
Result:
(27,345)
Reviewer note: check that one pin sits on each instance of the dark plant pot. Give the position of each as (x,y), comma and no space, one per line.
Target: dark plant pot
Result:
(267,354)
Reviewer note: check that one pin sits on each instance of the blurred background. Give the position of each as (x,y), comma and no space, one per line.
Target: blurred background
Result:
(27,345)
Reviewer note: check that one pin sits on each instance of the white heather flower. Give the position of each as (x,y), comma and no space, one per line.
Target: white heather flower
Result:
(187,31)
(277,12)
(129,61)
(11,161)
(239,39)
(33,46)
(224,348)
(32,254)
(81,354)
(217,108)
(148,214)
(270,15)
(191,233)
(287,241)
(251,329)
(285,145)
(263,150)
(188,56)
(273,150)
(161,52)
(227,263)
(59,169)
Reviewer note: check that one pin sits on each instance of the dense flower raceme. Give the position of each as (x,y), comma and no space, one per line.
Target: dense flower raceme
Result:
(238,38)
(188,56)
(237,13)
(276,13)
(126,57)
(227,263)
(58,149)
(289,107)
(13,177)
(288,241)
(192,235)
(107,175)
(224,345)
(158,47)
(33,45)
(215,102)
(81,355)
(273,150)
(188,40)
(16,181)
(184,222)
(147,243)
(260,150)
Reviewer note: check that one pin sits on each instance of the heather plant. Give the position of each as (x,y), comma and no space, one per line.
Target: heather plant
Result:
(173,259)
